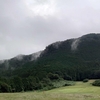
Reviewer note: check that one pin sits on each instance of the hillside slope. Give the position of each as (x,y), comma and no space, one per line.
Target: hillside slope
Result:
(74,58)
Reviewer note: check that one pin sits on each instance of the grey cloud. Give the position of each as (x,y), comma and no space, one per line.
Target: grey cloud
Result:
(27,26)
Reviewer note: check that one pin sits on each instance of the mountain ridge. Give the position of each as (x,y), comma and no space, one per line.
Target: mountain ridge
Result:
(74,44)
(78,58)
(22,59)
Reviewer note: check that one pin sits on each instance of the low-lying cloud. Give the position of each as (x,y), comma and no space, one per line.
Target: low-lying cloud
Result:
(27,26)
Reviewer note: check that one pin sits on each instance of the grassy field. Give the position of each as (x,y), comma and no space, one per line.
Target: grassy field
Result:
(80,91)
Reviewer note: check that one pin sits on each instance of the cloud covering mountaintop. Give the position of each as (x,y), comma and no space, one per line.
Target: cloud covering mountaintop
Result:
(27,26)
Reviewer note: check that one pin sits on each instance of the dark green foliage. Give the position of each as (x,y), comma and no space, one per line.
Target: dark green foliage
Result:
(85,80)
(53,76)
(69,84)
(4,87)
(67,77)
(46,84)
(55,62)
(31,83)
(96,83)
(84,62)
(17,84)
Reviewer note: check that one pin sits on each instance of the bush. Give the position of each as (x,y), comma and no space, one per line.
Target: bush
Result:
(17,84)
(4,87)
(96,83)
(85,80)
(52,76)
(46,84)
(67,77)
(69,83)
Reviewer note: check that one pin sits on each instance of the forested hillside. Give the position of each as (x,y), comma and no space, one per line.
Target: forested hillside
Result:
(73,59)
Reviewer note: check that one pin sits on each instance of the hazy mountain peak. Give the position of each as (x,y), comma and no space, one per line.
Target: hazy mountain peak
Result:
(6,63)
(56,44)
(75,44)
(87,37)
(91,36)
(19,57)
(87,43)
(35,55)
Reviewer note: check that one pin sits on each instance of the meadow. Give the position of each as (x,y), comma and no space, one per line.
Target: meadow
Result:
(80,91)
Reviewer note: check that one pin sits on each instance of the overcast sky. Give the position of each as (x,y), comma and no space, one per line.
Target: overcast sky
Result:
(28,26)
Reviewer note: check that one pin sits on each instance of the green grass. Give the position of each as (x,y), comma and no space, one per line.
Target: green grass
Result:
(80,91)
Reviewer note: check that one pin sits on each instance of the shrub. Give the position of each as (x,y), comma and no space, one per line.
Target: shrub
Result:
(46,84)
(52,76)
(67,77)
(4,87)
(69,83)
(85,80)
(96,83)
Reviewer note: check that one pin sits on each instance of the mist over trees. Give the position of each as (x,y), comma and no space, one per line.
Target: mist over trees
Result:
(73,59)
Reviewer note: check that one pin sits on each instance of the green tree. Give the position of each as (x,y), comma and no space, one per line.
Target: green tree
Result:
(52,76)
(4,87)
(17,84)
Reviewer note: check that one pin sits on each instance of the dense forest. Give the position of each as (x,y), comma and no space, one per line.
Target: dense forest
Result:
(73,59)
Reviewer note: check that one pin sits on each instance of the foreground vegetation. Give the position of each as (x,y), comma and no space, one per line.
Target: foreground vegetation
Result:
(80,91)
(18,84)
